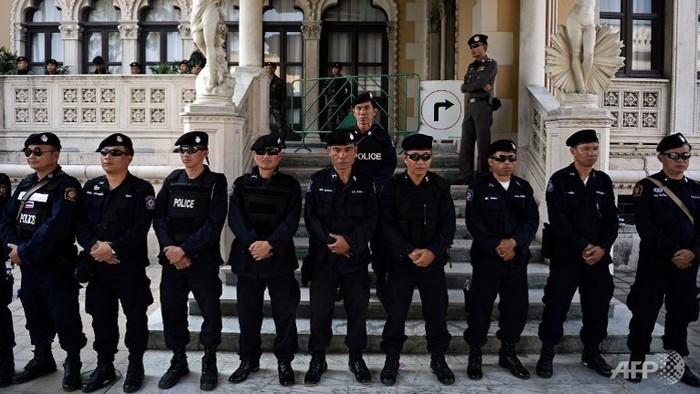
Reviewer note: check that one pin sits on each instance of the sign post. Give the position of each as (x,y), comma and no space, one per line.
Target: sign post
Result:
(442,109)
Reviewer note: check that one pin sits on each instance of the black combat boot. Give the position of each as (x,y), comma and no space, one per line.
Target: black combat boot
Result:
(285,373)
(317,367)
(245,369)
(635,367)
(358,367)
(439,367)
(210,374)
(134,375)
(42,364)
(7,367)
(390,370)
(178,368)
(71,372)
(474,363)
(101,377)
(592,359)
(508,359)
(545,367)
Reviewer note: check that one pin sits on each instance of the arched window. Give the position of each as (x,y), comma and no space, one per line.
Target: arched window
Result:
(101,35)
(44,40)
(160,37)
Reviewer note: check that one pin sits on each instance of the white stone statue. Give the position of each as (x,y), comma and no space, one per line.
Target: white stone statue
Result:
(209,34)
(580,25)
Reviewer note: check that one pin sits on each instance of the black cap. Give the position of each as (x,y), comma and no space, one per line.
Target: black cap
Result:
(43,139)
(98,60)
(270,64)
(478,38)
(364,98)
(52,61)
(417,142)
(22,59)
(340,137)
(502,146)
(135,64)
(582,137)
(117,139)
(267,141)
(193,138)
(671,142)
(336,64)
(187,62)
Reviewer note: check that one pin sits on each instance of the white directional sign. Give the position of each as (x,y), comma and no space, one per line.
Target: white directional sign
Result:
(442,109)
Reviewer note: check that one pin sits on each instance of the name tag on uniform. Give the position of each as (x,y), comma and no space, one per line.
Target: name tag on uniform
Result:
(39,197)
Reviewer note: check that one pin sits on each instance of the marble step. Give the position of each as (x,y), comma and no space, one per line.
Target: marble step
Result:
(415,332)
(455,307)
(537,274)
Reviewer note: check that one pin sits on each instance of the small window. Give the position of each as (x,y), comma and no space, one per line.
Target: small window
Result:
(44,40)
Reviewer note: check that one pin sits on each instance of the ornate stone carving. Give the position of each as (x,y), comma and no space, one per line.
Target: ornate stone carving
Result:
(629,119)
(70,30)
(22,115)
(651,100)
(108,115)
(138,96)
(20,33)
(70,95)
(21,95)
(157,96)
(187,96)
(70,115)
(108,95)
(138,115)
(128,31)
(185,30)
(649,120)
(40,95)
(89,115)
(89,95)
(611,99)
(41,115)
(311,30)
(630,99)
(158,115)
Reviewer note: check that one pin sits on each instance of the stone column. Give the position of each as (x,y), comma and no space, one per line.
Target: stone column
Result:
(129,34)
(682,57)
(186,36)
(250,32)
(533,23)
(71,33)
(20,39)
(311,32)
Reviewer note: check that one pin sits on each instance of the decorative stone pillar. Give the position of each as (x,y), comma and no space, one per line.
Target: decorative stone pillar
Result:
(71,34)
(186,37)
(683,117)
(19,39)
(250,32)
(392,32)
(533,16)
(311,33)
(129,34)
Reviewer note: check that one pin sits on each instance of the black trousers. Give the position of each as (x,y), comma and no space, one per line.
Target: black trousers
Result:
(380,264)
(103,295)
(476,130)
(397,300)
(284,299)
(652,287)
(595,286)
(512,289)
(49,296)
(204,283)
(356,300)
(7,330)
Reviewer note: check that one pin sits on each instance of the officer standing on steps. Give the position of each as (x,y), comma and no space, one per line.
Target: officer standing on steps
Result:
(376,156)
(7,331)
(666,212)
(476,127)
(418,220)
(278,99)
(583,220)
(38,229)
(190,214)
(502,216)
(264,215)
(117,212)
(340,214)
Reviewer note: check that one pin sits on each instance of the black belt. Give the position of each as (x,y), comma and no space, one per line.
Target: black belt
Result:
(475,99)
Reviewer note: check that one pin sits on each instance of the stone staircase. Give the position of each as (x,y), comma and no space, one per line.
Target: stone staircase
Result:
(302,164)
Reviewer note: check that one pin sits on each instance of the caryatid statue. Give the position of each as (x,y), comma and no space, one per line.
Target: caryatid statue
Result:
(209,34)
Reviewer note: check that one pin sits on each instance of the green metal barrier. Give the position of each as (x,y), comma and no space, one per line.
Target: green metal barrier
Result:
(397,97)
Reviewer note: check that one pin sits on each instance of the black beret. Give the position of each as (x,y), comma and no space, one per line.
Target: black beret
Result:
(266,141)
(417,142)
(117,139)
(502,146)
(270,64)
(98,60)
(52,61)
(364,98)
(336,64)
(671,142)
(135,64)
(193,138)
(187,62)
(582,137)
(22,59)
(478,38)
(340,137)
(43,139)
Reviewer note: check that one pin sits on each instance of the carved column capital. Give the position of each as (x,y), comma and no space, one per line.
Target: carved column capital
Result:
(311,30)
(20,32)
(185,30)
(70,30)
(128,30)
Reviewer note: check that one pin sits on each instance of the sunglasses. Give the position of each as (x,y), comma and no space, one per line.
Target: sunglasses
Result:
(36,151)
(416,156)
(190,149)
(113,152)
(269,151)
(474,46)
(503,158)
(675,155)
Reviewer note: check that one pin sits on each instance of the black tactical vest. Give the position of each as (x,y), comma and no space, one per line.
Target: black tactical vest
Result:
(417,213)
(188,206)
(265,207)
(37,209)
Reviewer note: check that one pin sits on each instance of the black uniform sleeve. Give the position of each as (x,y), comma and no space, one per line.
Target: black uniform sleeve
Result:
(363,232)
(528,221)
(313,222)
(83,232)
(5,195)
(8,230)
(445,236)
(160,222)
(388,163)
(237,220)
(475,222)
(649,232)
(561,225)
(285,231)
(208,234)
(611,222)
(137,233)
(398,246)
(480,78)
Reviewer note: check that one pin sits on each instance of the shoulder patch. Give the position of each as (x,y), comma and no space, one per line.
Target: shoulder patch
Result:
(638,188)
(470,194)
(150,203)
(550,186)
(4,191)
(308,185)
(70,194)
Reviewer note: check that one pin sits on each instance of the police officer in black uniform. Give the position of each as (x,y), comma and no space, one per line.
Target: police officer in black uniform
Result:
(502,217)
(117,212)
(190,214)
(583,217)
(38,227)
(476,127)
(336,93)
(376,156)
(340,214)
(418,220)
(7,331)
(265,208)
(668,263)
